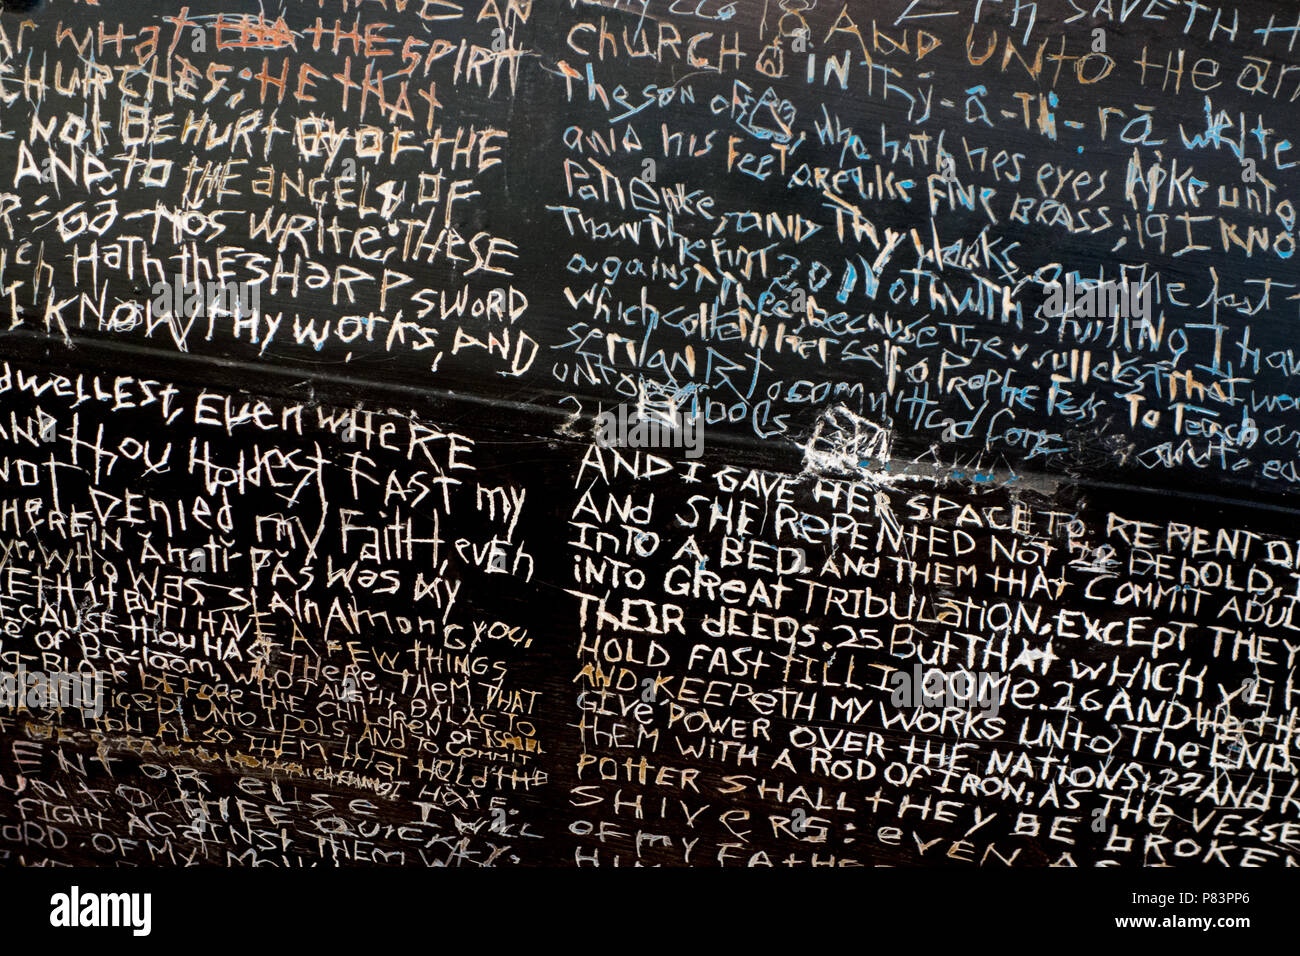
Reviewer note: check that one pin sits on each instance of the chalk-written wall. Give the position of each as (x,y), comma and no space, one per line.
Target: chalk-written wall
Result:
(661,432)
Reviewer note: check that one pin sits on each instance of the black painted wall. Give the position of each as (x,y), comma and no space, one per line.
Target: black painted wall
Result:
(364,581)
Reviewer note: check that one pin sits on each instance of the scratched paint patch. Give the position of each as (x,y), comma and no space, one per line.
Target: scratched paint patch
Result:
(843,442)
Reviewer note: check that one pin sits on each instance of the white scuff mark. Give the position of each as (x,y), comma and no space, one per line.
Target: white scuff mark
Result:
(843,442)
(846,445)
(1099,560)
(568,427)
